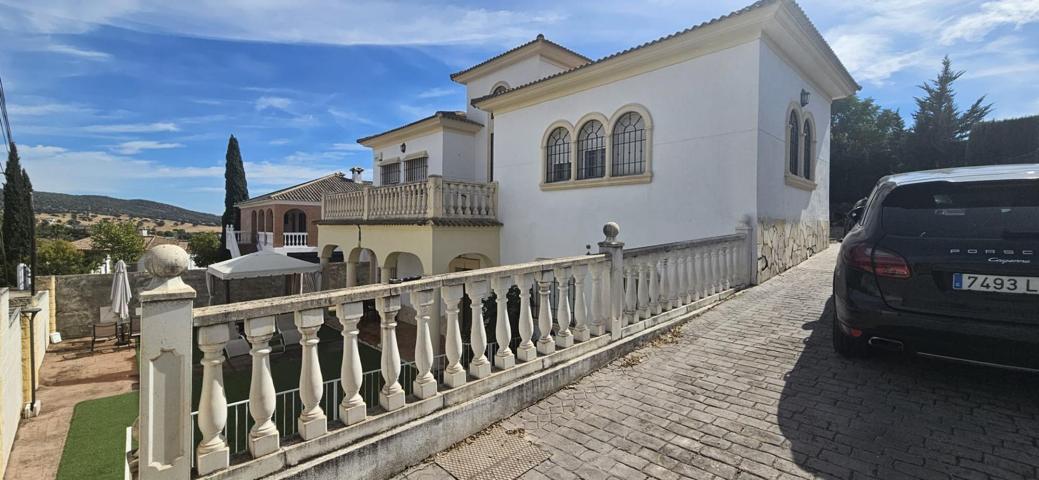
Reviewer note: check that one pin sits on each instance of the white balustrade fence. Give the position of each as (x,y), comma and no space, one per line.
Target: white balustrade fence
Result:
(577,300)
(433,198)
(294,239)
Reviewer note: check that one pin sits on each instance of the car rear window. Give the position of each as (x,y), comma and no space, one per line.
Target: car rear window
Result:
(1002,209)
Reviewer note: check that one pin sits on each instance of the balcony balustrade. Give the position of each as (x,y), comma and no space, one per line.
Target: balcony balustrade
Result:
(435,198)
(294,239)
(587,296)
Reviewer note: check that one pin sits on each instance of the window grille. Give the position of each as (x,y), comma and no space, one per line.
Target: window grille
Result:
(629,145)
(415,170)
(807,151)
(591,151)
(793,137)
(557,156)
(391,174)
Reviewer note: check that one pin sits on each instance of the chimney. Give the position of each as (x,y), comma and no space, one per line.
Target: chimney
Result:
(356,171)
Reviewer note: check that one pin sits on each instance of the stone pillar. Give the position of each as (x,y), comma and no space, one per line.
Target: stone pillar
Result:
(630,295)
(581,331)
(596,306)
(425,385)
(351,274)
(654,287)
(312,422)
(745,260)
(391,397)
(454,374)
(526,351)
(503,358)
(165,353)
(479,367)
(564,337)
(263,437)
(642,299)
(614,251)
(546,344)
(212,453)
(352,408)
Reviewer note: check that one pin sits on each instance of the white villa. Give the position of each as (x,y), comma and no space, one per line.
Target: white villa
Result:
(682,137)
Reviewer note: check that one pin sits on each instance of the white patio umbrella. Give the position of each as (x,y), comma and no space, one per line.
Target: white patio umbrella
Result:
(230,243)
(121,292)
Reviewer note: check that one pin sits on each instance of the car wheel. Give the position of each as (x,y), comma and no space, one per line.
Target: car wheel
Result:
(846,345)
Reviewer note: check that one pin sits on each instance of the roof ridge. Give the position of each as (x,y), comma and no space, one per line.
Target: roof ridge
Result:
(540,38)
(452,114)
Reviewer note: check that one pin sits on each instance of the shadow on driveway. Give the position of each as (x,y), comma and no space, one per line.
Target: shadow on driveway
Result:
(897,416)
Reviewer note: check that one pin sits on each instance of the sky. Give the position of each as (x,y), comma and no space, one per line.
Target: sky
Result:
(136,99)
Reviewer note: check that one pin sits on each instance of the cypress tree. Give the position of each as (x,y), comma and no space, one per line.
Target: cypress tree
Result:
(940,130)
(18,216)
(235,188)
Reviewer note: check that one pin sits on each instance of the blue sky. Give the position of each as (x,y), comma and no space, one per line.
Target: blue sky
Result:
(135,99)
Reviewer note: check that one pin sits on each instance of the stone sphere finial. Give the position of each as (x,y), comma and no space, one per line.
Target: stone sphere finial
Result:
(166,261)
(611,230)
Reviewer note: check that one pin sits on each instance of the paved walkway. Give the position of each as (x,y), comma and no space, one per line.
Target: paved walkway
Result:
(70,374)
(752,389)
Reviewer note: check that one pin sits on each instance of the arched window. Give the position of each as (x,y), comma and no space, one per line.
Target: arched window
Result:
(793,136)
(262,224)
(499,90)
(629,145)
(270,220)
(557,156)
(591,150)
(252,223)
(807,159)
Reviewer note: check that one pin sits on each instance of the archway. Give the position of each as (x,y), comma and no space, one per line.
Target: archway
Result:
(294,221)
(270,220)
(261,226)
(402,266)
(362,267)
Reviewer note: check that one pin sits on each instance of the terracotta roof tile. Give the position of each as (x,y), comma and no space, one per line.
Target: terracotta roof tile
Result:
(310,191)
(459,116)
(539,38)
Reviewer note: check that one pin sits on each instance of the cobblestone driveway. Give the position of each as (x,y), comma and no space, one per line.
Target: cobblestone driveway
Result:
(752,389)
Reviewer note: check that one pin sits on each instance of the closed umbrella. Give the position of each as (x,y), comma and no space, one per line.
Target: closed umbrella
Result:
(230,243)
(121,292)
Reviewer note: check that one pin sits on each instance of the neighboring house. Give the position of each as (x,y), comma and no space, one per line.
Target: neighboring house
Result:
(682,137)
(86,245)
(285,220)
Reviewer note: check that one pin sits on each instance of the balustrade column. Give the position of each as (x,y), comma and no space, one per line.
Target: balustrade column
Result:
(212,453)
(503,358)
(701,270)
(479,367)
(546,344)
(630,296)
(526,351)
(672,280)
(726,266)
(581,331)
(654,286)
(596,326)
(614,251)
(564,337)
(730,262)
(683,279)
(263,437)
(714,271)
(691,275)
(454,374)
(642,296)
(312,422)
(665,284)
(391,397)
(424,385)
(352,409)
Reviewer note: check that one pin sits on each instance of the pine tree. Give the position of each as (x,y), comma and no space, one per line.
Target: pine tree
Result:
(18,215)
(235,188)
(938,137)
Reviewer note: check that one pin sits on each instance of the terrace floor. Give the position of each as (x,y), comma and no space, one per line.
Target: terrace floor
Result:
(753,390)
(70,374)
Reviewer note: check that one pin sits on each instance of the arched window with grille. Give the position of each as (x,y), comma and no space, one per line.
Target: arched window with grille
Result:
(500,89)
(807,159)
(793,135)
(629,145)
(557,156)
(591,150)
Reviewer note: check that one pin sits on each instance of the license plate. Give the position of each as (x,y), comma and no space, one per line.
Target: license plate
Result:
(995,283)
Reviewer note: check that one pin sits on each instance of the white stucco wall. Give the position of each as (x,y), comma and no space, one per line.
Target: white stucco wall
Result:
(781,86)
(10,380)
(432,143)
(519,73)
(704,163)
(458,156)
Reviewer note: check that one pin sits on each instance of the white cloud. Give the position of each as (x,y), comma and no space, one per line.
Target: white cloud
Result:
(351,117)
(993,14)
(134,128)
(51,108)
(135,147)
(278,103)
(78,52)
(437,92)
(279,141)
(349,147)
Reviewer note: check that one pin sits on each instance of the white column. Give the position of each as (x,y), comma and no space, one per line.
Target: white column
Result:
(699,274)
(642,296)
(165,353)
(614,251)
(690,273)
(391,397)
(352,408)
(503,358)
(596,326)
(312,422)
(212,453)
(425,385)
(683,278)
(479,367)
(546,344)
(714,270)
(526,351)
(654,286)
(630,295)
(454,374)
(581,331)
(564,337)
(263,438)
(672,280)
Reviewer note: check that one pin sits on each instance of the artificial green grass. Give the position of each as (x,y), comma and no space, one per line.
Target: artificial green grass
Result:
(96,441)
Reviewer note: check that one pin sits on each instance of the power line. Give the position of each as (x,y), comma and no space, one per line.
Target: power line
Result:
(8,137)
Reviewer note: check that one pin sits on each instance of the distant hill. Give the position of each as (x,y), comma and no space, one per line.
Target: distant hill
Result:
(47,202)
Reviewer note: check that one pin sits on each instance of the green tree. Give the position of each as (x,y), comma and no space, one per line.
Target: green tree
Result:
(937,139)
(60,257)
(1013,140)
(865,144)
(18,215)
(206,248)
(235,187)
(118,239)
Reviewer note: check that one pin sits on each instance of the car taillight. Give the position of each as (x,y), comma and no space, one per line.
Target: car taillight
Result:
(877,261)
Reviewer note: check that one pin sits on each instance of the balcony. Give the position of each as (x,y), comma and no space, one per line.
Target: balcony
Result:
(435,199)
(294,239)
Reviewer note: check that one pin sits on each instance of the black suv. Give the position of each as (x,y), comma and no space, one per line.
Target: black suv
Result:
(944,263)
